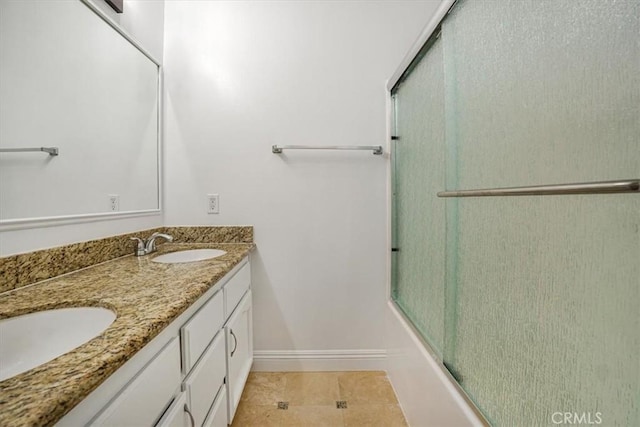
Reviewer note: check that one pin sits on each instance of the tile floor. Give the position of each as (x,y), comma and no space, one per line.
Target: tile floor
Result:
(312,399)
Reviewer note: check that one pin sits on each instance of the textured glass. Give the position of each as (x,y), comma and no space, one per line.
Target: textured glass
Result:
(547,304)
(419,158)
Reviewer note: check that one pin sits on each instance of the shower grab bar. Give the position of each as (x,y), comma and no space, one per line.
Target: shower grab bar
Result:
(377,149)
(53,151)
(600,187)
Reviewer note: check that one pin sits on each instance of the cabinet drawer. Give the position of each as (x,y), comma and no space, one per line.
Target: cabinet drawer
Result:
(205,380)
(176,416)
(197,333)
(218,414)
(144,399)
(236,287)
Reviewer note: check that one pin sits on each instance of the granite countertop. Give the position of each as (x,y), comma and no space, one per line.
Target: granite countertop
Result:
(146,297)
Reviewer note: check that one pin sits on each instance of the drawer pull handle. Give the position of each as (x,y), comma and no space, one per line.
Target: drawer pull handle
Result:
(235,342)
(193,421)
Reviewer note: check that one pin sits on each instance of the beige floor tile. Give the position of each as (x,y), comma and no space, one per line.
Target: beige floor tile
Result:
(365,388)
(312,388)
(312,416)
(312,400)
(249,415)
(380,415)
(264,388)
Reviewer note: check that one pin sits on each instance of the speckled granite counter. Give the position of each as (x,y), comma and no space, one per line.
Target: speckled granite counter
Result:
(146,296)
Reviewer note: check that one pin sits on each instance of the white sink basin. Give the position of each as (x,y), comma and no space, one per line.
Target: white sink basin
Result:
(191,255)
(33,339)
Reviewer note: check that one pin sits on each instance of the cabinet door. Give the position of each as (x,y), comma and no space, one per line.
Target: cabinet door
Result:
(144,399)
(239,334)
(176,415)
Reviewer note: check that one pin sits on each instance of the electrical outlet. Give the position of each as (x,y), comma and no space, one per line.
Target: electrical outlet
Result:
(114,202)
(213,203)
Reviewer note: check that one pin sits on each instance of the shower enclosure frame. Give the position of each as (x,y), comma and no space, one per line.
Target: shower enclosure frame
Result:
(411,58)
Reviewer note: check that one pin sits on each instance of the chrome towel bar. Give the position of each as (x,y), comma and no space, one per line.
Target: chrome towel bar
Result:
(377,149)
(600,187)
(53,151)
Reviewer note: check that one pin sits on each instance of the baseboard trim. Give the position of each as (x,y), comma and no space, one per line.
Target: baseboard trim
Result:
(319,360)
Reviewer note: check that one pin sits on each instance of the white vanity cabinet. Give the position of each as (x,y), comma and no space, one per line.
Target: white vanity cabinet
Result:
(192,374)
(222,368)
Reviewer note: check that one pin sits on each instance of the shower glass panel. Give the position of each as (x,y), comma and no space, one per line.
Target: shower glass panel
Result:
(532,302)
(547,287)
(419,218)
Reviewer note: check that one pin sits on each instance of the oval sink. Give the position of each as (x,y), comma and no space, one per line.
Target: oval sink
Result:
(33,339)
(191,255)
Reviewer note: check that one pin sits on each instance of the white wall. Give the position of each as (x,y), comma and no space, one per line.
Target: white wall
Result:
(141,19)
(241,76)
(144,20)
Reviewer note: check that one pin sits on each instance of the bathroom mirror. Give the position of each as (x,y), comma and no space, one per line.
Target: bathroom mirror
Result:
(70,79)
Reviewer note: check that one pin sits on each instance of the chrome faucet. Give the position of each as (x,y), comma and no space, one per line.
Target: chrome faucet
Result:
(149,246)
(151,241)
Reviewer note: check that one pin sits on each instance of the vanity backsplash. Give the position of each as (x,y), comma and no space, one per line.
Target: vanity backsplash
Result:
(24,269)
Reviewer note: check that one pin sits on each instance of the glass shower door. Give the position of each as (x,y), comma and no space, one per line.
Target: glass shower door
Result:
(419,162)
(531,301)
(547,287)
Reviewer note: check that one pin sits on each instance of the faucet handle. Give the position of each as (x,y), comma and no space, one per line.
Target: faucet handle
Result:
(140,249)
(150,246)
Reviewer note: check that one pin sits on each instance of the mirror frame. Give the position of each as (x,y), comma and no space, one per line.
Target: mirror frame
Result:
(36,222)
